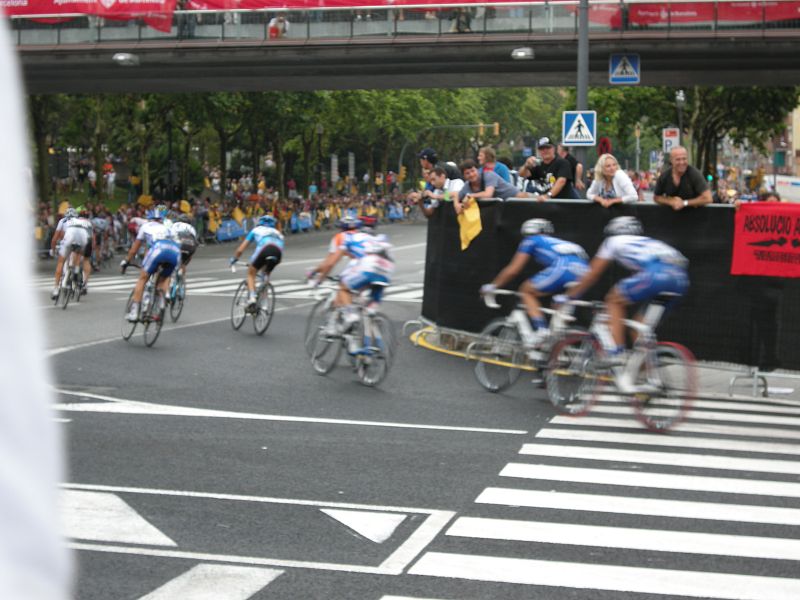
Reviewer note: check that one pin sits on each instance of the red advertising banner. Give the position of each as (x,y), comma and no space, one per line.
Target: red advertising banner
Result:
(766,240)
(156,13)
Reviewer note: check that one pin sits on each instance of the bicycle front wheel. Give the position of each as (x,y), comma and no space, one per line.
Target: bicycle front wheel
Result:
(316,320)
(77,284)
(572,374)
(667,384)
(238,306)
(128,327)
(155,320)
(265,308)
(499,351)
(178,296)
(326,351)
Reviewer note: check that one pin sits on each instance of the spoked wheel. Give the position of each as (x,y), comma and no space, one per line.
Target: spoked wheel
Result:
(178,297)
(77,284)
(128,327)
(572,374)
(317,319)
(372,365)
(155,319)
(498,350)
(326,351)
(239,306)
(265,308)
(65,292)
(668,379)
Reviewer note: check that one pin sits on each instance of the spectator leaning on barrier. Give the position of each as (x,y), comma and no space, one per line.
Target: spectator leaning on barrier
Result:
(429,160)
(442,189)
(577,171)
(488,161)
(552,173)
(681,185)
(482,185)
(611,184)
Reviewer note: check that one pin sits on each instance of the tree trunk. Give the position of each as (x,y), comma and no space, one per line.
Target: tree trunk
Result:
(277,152)
(38,110)
(145,166)
(97,148)
(307,143)
(223,161)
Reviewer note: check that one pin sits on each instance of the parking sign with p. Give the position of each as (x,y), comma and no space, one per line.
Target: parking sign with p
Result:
(670,137)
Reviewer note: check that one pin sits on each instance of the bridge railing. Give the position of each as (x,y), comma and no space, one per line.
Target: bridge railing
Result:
(536,19)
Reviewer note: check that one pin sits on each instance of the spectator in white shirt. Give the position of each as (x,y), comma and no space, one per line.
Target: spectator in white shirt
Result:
(611,184)
(444,190)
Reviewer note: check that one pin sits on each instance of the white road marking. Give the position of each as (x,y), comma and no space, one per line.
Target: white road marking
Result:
(124,406)
(702,461)
(375,526)
(721,485)
(654,540)
(215,582)
(710,416)
(105,517)
(648,439)
(395,564)
(682,509)
(693,584)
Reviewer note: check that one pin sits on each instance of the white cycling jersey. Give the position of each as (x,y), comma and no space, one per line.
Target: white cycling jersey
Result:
(377,257)
(180,230)
(77,232)
(637,252)
(153,231)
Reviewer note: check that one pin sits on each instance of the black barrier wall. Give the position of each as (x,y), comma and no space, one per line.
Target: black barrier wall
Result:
(745,320)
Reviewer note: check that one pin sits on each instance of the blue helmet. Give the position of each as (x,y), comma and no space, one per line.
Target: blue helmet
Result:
(267,221)
(154,214)
(349,223)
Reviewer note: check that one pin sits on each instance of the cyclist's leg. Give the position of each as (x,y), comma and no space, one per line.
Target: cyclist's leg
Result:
(87,263)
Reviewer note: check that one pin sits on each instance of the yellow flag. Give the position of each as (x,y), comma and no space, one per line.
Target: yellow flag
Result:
(186,208)
(469,223)
(238,215)
(146,201)
(62,208)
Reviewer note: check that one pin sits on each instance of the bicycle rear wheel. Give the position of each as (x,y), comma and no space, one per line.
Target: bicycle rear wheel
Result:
(155,319)
(65,292)
(498,350)
(326,351)
(178,296)
(372,366)
(128,327)
(315,321)
(572,374)
(238,306)
(669,379)
(265,308)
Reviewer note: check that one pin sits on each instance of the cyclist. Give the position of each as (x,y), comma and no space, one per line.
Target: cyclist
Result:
(162,252)
(85,222)
(371,264)
(657,268)
(268,253)
(186,235)
(564,262)
(72,231)
(102,228)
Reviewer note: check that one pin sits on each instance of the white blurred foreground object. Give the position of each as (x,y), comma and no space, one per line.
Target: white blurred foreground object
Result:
(34,563)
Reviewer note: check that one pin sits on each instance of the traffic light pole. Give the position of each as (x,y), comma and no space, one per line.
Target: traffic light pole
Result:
(582,94)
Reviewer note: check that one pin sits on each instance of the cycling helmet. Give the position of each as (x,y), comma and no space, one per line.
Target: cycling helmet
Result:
(536,227)
(184,218)
(267,221)
(162,210)
(623,226)
(70,213)
(348,223)
(154,215)
(369,222)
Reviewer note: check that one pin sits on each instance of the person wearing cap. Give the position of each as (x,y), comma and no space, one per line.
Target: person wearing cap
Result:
(482,185)
(553,171)
(429,160)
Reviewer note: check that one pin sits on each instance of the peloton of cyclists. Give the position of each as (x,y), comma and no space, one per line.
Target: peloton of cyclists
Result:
(268,253)
(162,252)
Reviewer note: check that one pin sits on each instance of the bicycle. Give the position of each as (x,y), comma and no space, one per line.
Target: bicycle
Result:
(71,283)
(370,342)
(177,294)
(151,310)
(658,379)
(508,345)
(319,314)
(261,311)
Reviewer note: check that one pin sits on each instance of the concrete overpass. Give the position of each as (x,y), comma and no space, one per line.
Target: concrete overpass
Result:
(244,60)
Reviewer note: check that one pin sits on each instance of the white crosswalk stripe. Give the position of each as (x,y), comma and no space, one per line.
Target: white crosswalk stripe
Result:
(221,286)
(706,490)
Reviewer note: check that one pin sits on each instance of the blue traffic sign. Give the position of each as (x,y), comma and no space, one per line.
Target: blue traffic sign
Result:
(624,69)
(579,128)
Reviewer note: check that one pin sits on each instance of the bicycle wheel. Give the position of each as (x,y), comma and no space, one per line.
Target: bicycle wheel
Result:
(316,320)
(155,319)
(238,306)
(572,374)
(178,296)
(265,308)
(326,351)
(498,350)
(669,381)
(65,293)
(128,327)
(372,365)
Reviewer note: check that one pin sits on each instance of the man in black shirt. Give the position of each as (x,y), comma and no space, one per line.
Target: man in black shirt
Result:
(428,160)
(577,170)
(681,185)
(553,174)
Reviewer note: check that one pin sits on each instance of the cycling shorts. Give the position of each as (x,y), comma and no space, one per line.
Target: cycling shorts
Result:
(74,236)
(651,282)
(87,249)
(356,280)
(267,258)
(555,278)
(165,254)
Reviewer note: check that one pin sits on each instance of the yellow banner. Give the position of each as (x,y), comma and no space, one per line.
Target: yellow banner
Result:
(238,215)
(469,223)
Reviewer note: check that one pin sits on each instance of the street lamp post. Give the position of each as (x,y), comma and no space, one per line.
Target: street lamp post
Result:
(170,167)
(680,102)
(320,131)
(638,133)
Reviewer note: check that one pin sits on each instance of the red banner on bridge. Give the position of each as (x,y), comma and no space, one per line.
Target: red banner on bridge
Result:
(766,240)
(156,13)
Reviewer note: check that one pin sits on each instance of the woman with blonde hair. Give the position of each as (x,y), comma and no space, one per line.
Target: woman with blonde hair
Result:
(611,184)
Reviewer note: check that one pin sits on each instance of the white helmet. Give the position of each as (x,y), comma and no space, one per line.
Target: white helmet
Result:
(70,213)
(623,226)
(536,226)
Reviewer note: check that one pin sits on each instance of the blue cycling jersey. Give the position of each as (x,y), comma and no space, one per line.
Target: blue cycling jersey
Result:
(546,249)
(263,236)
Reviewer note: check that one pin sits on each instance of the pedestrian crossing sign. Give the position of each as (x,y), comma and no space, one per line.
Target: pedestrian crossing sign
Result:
(579,128)
(623,69)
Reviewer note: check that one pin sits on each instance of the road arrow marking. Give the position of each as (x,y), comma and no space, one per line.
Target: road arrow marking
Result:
(377,527)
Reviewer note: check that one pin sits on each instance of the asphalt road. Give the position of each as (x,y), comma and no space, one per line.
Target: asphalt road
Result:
(219,462)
